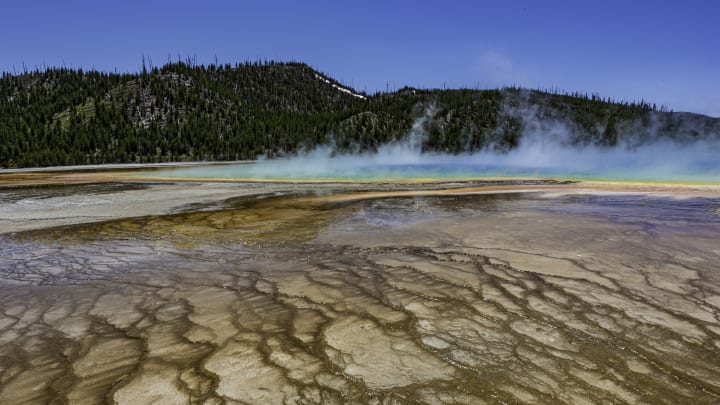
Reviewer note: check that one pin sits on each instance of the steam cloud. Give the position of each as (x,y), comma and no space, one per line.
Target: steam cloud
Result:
(545,150)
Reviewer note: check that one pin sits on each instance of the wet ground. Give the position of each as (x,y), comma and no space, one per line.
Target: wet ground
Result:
(294,295)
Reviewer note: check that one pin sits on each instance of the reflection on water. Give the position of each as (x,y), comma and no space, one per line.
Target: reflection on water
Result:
(299,298)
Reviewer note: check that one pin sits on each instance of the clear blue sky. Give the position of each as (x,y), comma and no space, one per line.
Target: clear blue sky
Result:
(665,52)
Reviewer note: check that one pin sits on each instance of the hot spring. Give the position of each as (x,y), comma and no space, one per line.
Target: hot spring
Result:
(692,165)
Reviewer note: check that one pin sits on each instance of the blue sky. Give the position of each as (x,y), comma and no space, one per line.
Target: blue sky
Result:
(664,52)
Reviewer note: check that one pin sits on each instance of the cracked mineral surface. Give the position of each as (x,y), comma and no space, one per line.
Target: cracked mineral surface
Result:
(280,296)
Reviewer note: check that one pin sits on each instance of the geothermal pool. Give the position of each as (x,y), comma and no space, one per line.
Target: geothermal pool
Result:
(442,292)
(354,169)
(535,157)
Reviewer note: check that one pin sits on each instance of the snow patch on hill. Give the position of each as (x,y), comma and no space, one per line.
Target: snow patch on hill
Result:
(344,90)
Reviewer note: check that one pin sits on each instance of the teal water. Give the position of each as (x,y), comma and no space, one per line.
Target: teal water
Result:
(357,171)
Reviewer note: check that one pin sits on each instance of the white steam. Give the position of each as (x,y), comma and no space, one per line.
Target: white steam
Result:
(549,146)
(545,150)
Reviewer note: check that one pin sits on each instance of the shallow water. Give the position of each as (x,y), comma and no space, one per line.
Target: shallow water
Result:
(442,168)
(299,298)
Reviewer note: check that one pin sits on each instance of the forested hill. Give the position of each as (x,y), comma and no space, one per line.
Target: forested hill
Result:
(221,112)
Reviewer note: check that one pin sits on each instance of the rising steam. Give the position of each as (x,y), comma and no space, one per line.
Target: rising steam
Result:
(546,149)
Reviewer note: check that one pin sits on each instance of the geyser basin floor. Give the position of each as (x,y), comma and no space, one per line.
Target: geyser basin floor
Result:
(336,298)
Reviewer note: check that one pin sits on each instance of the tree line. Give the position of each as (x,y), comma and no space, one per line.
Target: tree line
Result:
(184,111)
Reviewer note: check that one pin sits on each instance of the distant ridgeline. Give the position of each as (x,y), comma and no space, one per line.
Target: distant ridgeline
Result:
(221,112)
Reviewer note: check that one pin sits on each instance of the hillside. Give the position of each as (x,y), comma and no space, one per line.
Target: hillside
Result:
(186,112)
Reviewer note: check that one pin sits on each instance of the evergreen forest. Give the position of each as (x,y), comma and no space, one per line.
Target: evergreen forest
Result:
(183,111)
